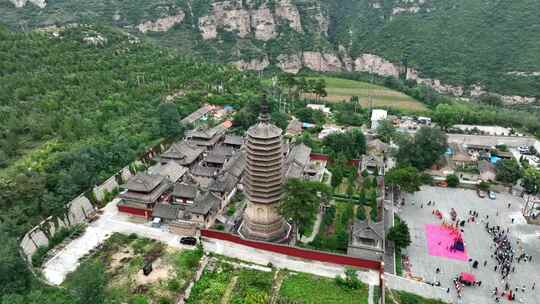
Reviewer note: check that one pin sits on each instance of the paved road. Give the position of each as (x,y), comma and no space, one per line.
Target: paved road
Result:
(67,259)
(510,141)
(316,227)
(477,242)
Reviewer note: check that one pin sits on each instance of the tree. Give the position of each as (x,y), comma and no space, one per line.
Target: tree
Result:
(88,283)
(531,181)
(423,150)
(14,276)
(406,177)
(301,202)
(446,115)
(452,180)
(508,171)
(399,234)
(386,131)
(351,144)
(169,121)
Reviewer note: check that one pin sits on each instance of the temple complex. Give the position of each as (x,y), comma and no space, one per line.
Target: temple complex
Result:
(263,181)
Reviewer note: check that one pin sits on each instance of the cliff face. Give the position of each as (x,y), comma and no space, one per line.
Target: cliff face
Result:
(441,48)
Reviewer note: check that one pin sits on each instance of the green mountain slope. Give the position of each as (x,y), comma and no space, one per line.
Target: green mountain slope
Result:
(463,43)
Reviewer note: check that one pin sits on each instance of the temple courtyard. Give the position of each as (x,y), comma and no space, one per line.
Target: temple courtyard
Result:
(429,248)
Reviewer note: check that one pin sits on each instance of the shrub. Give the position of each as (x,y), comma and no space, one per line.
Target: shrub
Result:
(39,256)
(350,281)
(452,180)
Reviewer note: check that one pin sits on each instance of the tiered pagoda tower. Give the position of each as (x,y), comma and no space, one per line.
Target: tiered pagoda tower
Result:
(263,181)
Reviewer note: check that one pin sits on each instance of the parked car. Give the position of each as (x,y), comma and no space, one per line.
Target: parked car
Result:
(492,195)
(481,193)
(188,240)
(156,223)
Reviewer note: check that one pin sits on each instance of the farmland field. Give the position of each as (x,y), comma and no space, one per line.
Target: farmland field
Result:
(343,89)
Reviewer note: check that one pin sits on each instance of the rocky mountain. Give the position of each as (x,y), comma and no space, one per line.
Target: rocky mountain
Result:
(458,47)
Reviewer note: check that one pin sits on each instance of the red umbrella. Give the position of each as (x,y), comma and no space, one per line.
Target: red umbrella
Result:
(467,277)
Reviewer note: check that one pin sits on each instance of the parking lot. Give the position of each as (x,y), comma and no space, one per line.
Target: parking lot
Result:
(477,242)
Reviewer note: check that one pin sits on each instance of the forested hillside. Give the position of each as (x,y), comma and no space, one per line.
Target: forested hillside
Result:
(78,105)
(467,44)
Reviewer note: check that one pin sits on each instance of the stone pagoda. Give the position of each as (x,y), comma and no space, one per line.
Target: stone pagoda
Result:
(263,181)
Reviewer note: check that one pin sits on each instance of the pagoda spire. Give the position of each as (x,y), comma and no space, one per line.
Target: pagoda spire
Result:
(264,115)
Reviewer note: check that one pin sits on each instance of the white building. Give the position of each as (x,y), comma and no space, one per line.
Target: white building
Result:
(376,116)
(326,110)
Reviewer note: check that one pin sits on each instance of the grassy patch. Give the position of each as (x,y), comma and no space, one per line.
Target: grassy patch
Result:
(252,287)
(401,297)
(123,258)
(343,89)
(305,288)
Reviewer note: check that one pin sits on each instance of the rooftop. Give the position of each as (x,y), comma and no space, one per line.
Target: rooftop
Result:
(165,211)
(199,170)
(183,152)
(191,118)
(171,170)
(204,203)
(185,191)
(234,140)
(143,182)
(378,114)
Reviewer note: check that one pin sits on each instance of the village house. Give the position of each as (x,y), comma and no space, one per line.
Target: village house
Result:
(377,147)
(183,153)
(142,192)
(376,117)
(294,128)
(366,240)
(459,155)
(200,114)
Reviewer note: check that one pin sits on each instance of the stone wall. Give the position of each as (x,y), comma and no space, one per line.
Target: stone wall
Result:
(108,186)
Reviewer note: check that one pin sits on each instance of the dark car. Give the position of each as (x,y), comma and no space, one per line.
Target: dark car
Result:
(188,240)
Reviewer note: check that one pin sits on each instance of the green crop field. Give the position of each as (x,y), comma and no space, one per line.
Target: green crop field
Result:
(343,89)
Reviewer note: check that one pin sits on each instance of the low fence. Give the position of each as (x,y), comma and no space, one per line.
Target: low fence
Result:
(295,251)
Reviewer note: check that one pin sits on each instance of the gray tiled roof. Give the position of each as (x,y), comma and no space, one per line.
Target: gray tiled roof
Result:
(185,191)
(146,197)
(234,140)
(143,182)
(183,152)
(215,157)
(297,160)
(199,170)
(191,118)
(172,170)
(236,164)
(223,183)
(224,150)
(165,211)
(206,133)
(363,229)
(204,203)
